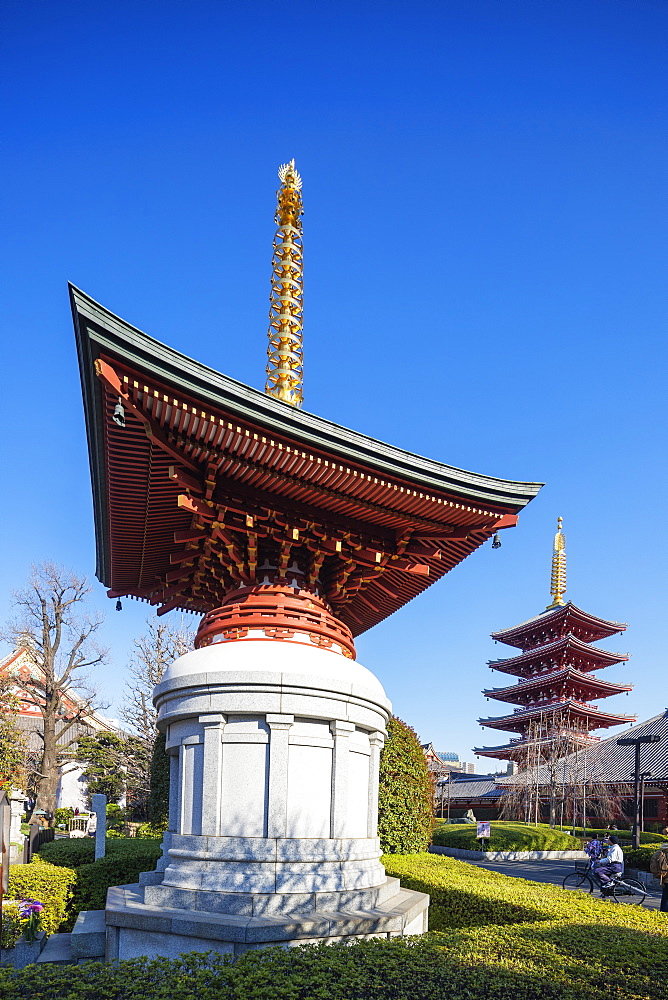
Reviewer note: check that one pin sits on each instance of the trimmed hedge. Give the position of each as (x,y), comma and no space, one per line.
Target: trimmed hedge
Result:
(405,793)
(81,851)
(625,835)
(50,884)
(125,859)
(546,944)
(639,857)
(505,837)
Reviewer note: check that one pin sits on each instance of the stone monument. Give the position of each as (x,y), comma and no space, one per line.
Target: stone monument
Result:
(274,746)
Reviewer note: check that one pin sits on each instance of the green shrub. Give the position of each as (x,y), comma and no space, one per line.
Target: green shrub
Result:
(50,884)
(62,816)
(158,800)
(12,925)
(646,837)
(125,859)
(405,794)
(81,851)
(151,832)
(505,836)
(639,857)
(93,880)
(545,944)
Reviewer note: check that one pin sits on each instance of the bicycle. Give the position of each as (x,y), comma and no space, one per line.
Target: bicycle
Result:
(622,889)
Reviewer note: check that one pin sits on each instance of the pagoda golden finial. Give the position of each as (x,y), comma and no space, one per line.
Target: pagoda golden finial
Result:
(285,367)
(558,580)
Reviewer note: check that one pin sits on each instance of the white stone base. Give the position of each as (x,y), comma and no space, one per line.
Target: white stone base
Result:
(137,928)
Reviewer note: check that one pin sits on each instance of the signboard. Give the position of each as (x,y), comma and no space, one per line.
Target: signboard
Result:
(484,831)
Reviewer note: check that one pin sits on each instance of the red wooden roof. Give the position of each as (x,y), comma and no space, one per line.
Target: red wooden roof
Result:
(210,478)
(594,718)
(555,623)
(573,681)
(567,651)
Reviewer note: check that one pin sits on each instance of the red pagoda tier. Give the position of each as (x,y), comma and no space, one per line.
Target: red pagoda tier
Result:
(203,486)
(556,688)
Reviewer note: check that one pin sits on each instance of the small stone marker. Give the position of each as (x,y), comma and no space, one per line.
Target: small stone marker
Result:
(100,810)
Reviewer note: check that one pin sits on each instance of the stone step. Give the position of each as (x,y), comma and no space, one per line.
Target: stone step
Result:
(57,950)
(88,936)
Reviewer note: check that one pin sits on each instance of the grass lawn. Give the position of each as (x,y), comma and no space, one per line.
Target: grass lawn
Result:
(506,836)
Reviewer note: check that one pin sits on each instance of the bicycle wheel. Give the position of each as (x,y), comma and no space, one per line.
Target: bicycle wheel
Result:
(629,891)
(578,880)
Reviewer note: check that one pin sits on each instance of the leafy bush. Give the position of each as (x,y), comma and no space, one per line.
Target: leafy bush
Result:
(150,831)
(646,837)
(50,884)
(506,837)
(568,946)
(125,859)
(92,882)
(12,925)
(81,851)
(62,816)
(405,794)
(639,857)
(158,800)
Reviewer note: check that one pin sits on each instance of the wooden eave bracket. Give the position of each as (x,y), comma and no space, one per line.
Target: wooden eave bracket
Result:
(110,378)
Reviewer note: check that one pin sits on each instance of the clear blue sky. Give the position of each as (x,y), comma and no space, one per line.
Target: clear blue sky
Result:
(485,239)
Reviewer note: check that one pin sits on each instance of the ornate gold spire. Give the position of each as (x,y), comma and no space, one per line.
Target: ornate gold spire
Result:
(558,580)
(285,367)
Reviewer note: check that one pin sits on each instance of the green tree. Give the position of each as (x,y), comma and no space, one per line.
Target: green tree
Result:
(158,802)
(405,794)
(111,762)
(13,749)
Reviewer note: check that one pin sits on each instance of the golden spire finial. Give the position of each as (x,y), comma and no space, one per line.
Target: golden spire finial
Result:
(285,367)
(558,580)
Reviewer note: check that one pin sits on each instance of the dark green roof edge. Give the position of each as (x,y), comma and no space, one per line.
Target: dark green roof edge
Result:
(113,333)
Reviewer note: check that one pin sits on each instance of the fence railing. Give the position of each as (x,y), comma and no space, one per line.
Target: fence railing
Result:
(38,835)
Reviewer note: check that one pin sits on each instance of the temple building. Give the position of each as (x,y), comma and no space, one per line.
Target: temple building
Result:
(291,536)
(557,670)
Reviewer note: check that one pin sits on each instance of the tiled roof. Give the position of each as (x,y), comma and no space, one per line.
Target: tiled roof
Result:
(608,762)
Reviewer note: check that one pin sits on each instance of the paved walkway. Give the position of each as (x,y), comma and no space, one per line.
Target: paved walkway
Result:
(550,871)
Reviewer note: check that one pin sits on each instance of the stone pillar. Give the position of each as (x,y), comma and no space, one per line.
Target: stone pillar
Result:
(174,804)
(341,732)
(212,773)
(277,806)
(376,741)
(16,800)
(100,810)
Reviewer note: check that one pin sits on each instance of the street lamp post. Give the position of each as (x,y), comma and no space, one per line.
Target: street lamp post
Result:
(643,776)
(637,742)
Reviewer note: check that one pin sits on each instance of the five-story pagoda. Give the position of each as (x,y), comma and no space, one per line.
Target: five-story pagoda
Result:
(556,677)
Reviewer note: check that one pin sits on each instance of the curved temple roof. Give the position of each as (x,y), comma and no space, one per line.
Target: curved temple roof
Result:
(387,523)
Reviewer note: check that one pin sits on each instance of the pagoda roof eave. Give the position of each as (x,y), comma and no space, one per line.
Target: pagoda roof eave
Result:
(605,627)
(603,688)
(603,656)
(317,432)
(509,722)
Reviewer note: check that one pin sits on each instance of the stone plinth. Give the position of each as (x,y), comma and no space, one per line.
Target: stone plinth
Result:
(274,749)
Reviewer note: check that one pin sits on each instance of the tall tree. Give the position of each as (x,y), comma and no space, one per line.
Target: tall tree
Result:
(58,635)
(405,792)
(153,652)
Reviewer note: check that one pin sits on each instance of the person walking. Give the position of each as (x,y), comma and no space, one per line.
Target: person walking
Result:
(658,865)
(610,864)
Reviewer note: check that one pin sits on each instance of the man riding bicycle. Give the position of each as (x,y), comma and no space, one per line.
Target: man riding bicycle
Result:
(610,864)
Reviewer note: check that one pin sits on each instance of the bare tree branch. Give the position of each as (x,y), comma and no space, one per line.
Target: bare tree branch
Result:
(51,626)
